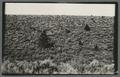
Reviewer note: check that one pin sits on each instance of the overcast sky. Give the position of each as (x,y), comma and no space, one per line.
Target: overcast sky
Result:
(59,9)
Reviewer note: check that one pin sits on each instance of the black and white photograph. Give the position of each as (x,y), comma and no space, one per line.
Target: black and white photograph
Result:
(58,38)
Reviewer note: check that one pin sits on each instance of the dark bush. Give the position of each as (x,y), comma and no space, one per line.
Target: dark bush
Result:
(80,42)
(44,41)
(87,28)
(96,47)
(67,31)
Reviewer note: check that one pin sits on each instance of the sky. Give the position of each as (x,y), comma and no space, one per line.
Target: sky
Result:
(59,9)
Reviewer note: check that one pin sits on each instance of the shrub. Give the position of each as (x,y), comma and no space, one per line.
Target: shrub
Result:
(66,68)
(87,28)
(44,41)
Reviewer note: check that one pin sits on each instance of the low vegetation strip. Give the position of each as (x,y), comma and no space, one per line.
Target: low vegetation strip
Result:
(48,67)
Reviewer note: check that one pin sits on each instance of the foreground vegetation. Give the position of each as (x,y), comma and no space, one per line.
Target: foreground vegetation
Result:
(48,67)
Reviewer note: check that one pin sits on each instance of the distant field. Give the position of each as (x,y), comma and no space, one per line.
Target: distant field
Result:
(64,48)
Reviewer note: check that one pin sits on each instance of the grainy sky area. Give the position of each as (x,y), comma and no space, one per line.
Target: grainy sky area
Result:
(60,9)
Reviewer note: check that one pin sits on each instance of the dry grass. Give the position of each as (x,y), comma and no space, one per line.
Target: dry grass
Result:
(48,67)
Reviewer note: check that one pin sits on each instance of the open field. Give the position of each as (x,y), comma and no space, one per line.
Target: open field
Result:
(48,44)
